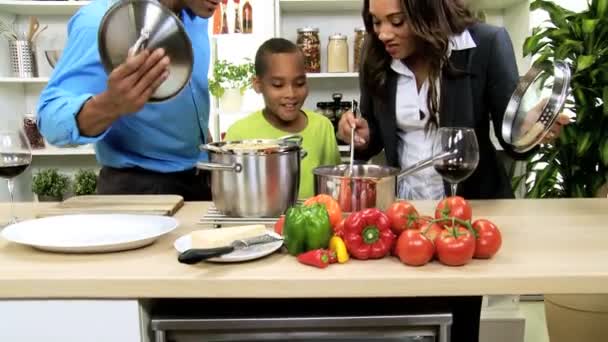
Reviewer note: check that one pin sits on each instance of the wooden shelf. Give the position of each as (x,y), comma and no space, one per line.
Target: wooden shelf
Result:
(333,75)
(28,7)
(17,80)
(320,5)
(86,150)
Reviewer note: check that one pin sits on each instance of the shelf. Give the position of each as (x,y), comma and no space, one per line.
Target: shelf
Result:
(494,4)
(320,5)
(333,75)
(17,80)
(28,7)
(86,150)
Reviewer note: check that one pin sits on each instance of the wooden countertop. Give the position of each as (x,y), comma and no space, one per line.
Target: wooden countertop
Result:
(549,247)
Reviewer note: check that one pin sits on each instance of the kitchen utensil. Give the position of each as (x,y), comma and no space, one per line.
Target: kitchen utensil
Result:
(196,255)
(121,30)
(535,105)
(118,204)
(33,27)
(52,56)
(355,108)
(252,252)
(262,180)
(369,186)
(37,33)
(90,233)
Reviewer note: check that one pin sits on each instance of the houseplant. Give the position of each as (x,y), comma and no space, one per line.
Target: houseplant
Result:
(50,185)
(85,182)
(229,83)
(575,165)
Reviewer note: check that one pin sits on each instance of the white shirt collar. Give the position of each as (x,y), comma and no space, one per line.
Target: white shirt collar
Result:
(457,42)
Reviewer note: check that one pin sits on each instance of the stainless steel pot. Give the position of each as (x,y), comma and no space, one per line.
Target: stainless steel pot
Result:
(130,26)
(365,185)
(254,182)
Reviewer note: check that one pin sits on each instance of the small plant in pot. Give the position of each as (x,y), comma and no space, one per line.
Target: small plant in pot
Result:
(85,182)
(50,185)
(229,83)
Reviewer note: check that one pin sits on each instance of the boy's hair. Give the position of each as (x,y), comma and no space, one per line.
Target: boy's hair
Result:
(269,47)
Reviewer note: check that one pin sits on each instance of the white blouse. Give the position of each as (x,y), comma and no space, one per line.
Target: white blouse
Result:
(412,113)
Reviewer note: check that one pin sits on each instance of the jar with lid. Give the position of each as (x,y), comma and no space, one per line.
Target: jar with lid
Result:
(310,45)
(358,47)
(31,131)
(337,53)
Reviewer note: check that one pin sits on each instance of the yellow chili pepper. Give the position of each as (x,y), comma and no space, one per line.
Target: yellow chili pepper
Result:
(337,245)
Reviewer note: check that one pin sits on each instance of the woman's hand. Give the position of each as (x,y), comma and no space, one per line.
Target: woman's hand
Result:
(347,121)
(561,121)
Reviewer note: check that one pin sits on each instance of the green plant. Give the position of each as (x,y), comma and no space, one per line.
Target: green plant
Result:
(49,182)
(230,76)
(576,164)
(85,182)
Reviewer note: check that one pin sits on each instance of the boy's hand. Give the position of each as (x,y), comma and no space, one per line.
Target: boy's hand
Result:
(347,121)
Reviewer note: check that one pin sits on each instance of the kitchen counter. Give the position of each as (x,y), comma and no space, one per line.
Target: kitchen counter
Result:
(549,246)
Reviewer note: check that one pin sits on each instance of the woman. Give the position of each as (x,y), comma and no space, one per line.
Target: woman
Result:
(428,64)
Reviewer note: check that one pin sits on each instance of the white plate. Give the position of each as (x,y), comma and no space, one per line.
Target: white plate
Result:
(183,243)
(90,233)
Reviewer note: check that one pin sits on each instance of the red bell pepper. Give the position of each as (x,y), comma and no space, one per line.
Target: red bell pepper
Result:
(368,235)
(318,257)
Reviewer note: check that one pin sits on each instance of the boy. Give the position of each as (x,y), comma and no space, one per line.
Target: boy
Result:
(281,79)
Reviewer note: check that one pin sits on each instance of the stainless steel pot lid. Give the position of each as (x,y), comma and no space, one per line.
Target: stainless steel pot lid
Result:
(256,146)
(534,106)
(146,24)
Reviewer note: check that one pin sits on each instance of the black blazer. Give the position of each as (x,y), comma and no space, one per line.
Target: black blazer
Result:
(468,99)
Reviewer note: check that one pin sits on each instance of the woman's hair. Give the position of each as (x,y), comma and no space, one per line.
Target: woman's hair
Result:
(432,22)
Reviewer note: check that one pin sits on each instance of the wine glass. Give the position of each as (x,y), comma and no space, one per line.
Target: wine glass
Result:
(461,144)
(15,157)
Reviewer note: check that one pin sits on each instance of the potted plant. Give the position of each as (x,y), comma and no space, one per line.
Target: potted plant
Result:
(229,83)
(576,165)
(49,185)
(85,182)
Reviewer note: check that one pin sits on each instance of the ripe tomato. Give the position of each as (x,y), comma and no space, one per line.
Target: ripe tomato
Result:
(278,226)
(413,248)
(456,207)
(455,246)
(402,215)
(332,206)
(488,240)
(431,230)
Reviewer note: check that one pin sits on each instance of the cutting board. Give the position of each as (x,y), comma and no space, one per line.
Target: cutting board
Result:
(166,205)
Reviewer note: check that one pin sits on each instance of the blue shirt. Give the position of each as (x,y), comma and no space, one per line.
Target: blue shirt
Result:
(163,137)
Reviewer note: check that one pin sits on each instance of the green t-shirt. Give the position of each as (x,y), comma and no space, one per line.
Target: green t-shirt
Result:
(319,141)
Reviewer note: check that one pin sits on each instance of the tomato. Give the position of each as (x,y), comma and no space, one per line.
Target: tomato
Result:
(332,206)
(402,215)
(456,207)
(413,248)
(431,230)
(455,246)
(488,240)
(278,226)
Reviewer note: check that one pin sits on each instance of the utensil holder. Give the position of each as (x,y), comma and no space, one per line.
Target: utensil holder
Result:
(22,59)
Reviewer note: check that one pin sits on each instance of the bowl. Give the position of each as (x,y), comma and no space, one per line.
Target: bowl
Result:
(52,56)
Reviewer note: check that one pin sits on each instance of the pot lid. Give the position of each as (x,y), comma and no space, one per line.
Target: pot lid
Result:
(146,24)
(256,146)
(535,105)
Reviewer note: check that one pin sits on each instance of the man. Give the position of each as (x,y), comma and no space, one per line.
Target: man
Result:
(144,148)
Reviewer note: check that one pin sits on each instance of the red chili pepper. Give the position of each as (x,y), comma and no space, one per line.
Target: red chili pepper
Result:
(368,235)
(317,257)
(333,257)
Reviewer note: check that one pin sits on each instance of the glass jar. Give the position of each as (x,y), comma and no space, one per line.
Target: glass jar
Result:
(337,53)
(310,45)
(358,47)
(31,131)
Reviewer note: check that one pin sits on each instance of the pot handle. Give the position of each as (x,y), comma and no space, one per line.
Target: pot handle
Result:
(219,167)
(292,137)
(423,164)
(303,154)
(139,44)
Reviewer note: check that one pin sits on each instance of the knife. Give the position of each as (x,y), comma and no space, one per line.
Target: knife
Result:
(195,255)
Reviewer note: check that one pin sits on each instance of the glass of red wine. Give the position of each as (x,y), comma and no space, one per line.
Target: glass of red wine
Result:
(461,145)
(15,157)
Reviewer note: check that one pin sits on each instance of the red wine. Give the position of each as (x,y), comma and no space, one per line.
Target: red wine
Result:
(455,173)
(13,164)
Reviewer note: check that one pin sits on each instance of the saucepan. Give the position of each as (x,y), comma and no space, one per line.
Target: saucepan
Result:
(363,186)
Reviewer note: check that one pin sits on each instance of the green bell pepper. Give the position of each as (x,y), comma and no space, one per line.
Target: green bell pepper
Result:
(306,228)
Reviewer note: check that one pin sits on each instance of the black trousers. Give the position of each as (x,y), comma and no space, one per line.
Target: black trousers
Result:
(192,185)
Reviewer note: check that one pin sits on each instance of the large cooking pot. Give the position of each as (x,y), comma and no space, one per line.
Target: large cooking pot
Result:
(254,178)
(365,185)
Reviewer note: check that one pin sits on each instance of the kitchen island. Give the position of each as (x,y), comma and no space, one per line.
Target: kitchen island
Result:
(549,247)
